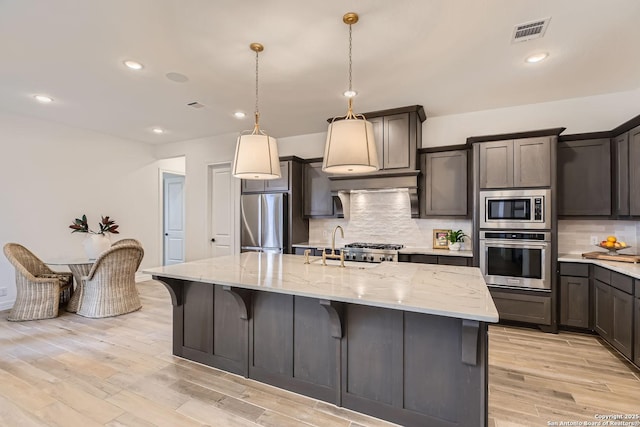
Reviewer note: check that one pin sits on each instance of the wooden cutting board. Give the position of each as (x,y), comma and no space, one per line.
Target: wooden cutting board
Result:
(604,256)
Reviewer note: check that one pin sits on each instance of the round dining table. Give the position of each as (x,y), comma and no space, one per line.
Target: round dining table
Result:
(79,267)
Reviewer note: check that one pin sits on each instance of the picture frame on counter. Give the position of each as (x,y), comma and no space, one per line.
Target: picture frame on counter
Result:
(440,239)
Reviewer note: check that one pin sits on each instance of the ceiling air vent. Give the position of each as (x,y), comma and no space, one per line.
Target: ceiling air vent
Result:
(195,104)
(530,30)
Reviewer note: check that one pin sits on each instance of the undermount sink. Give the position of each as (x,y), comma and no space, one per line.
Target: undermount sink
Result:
(347,264)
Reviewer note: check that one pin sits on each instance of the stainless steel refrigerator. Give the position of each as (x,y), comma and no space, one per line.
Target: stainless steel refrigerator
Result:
(263,222)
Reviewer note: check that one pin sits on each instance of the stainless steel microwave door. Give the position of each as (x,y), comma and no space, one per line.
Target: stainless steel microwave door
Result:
(250,206)
(272,220)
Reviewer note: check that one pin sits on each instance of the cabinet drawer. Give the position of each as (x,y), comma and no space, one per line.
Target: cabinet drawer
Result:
(453,260)
(574,269)
(522,308)
(419,258)
(602,274)
(622,282)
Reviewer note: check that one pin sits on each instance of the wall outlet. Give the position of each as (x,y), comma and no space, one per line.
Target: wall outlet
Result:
(594,240)
(326,233)
(3,292)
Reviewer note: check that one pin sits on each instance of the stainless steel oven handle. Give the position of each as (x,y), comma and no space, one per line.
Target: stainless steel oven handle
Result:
(521,243)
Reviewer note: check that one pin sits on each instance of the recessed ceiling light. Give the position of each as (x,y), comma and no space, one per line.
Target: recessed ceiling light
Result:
(239,115)
(133,65)
(536,58)
(350,93)
(43,98)
(158,130)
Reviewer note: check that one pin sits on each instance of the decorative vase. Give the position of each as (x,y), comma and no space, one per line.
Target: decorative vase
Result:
(454,246)
(95,244)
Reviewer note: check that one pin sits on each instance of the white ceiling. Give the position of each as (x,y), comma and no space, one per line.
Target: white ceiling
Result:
(451,56)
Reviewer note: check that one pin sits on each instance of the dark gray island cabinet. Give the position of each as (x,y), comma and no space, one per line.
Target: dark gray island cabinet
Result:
(402,342)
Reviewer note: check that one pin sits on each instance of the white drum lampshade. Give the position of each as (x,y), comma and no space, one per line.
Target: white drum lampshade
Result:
(256,157)
(350,147)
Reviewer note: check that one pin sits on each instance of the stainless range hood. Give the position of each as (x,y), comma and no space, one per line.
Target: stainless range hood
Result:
(386,180)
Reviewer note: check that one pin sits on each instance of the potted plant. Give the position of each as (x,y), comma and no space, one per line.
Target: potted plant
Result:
(455,238)
(96,241)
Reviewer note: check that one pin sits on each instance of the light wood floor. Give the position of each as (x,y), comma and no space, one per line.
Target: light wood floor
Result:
(73,371)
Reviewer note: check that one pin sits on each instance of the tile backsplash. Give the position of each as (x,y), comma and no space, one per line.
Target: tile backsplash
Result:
(574,236)
(384,217)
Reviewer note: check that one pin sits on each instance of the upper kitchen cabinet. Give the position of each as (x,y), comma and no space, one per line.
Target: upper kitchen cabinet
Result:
(584,177)
(626,149)
(398,135)
(318,201)
(445,175)
(269,185)
(517,163)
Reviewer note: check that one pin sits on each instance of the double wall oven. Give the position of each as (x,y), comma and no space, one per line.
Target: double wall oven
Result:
(515,238)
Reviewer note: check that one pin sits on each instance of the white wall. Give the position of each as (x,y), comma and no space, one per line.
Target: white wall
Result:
(199,154)
(51,174)
(578,115)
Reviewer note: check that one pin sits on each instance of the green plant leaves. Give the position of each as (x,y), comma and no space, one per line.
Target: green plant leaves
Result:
(107,225)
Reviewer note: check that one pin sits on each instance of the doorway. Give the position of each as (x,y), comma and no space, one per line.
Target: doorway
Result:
(173,229)
(223,211)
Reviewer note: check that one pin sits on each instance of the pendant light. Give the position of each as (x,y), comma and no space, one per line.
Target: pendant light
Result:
(256,152)
(350,147)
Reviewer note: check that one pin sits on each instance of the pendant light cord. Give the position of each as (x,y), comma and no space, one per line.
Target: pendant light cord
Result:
(350,100)
(257,114)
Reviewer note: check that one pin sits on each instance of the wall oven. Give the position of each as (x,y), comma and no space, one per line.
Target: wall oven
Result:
(516,259)
(525,209)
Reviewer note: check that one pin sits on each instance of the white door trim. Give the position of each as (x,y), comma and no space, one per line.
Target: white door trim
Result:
(160,234)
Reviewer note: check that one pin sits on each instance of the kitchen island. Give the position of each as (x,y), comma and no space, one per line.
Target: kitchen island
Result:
(403,342)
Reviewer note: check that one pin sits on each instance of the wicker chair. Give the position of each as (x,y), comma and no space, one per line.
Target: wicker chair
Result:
(38,287)
(110,287)
(123,241)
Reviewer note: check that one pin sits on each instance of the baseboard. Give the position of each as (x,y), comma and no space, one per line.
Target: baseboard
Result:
(6,305)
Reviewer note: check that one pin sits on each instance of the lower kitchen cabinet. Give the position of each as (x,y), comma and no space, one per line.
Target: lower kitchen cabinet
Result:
(574,301)
(575,295)
(603,309)
(636,327)
(436,259)
(622,337)
(522,306)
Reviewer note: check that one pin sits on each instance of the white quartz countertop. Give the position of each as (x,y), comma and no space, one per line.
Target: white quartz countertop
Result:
(443,290)
(628,268)
(316,245)
(431,251)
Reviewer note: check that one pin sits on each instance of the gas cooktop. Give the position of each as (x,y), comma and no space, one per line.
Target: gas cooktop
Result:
(371,252)
(384,246)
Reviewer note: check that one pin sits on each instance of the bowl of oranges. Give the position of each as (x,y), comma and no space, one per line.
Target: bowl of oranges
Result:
(613,245)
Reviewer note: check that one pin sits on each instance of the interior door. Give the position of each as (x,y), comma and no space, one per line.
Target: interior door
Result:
(223,187)
(173,227)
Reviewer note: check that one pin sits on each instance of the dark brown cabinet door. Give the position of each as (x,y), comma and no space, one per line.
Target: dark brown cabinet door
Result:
(532,162)
(445,183)
(318,201)
(574,301)
(280,184)
(252,185)
(496,164)
(584,177)
(603,309)
(391,134)
(634,171)
(636,356)
(397,149)
(621,174)
(260,185)
(622,322)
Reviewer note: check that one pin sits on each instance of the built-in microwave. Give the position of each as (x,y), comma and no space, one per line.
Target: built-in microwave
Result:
(516,209)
